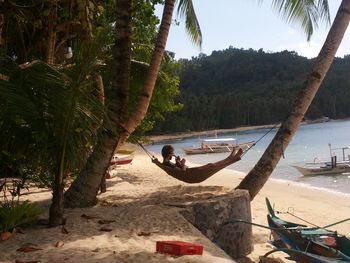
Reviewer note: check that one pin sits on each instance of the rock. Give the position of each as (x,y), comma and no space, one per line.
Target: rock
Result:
(215,218)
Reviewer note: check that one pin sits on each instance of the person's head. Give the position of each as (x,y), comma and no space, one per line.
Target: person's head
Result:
(167,151)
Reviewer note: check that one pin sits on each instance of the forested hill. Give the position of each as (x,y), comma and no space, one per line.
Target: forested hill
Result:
(237,87)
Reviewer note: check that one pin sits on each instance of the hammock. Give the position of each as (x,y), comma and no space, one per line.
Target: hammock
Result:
(201,173)
(196,174)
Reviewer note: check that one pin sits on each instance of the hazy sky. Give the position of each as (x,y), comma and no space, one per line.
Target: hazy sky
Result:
(248,24)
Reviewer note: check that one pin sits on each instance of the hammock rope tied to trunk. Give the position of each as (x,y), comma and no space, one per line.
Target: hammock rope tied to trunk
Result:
(194,175)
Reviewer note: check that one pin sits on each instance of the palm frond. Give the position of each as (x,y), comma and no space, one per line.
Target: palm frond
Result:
(308,13)
(186,10)
(49,114)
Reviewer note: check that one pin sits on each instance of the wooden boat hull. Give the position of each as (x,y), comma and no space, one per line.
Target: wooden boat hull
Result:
(121,160)
(218,148)
(315,244)
(339,169)
(124,151)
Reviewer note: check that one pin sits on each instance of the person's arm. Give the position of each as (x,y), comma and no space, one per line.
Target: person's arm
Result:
(180,163)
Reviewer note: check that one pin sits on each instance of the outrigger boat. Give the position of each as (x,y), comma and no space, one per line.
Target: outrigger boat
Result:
(218,145)
(307,244)
(328,168)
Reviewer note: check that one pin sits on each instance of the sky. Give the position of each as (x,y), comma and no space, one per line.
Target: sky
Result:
(248,24)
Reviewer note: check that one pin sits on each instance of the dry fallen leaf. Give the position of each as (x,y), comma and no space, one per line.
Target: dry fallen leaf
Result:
(26,261)
(28,249)
(5,235)
(59,244)
(88,217)
(105,221)
(105,203)
(106,229)
(142,233)
(64,230)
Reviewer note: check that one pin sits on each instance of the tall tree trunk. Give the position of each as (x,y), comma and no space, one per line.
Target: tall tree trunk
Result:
(84,189)
(258,176)
(2,23)
(57,206)
(51,32)
(142,106)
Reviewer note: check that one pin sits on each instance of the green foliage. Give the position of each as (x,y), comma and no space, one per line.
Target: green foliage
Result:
(51,117)
(237,87)
(17,214)
(307,13)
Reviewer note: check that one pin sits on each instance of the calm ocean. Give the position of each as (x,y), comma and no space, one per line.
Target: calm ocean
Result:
(310,142)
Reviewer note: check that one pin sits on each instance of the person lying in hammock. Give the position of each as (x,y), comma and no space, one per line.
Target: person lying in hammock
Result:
(168,153)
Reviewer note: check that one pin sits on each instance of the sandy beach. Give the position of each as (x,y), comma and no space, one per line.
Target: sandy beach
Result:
(134,213)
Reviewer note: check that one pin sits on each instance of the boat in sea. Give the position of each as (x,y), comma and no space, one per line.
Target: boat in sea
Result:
(218,145)
(328,168)
(305,243)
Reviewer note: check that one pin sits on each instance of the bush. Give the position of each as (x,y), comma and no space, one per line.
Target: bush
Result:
(14,214)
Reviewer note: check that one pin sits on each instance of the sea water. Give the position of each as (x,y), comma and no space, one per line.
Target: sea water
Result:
(310,144)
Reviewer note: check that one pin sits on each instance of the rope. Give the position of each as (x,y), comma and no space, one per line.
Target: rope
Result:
(266,133)
(316,226)
(143,148)
(218,233)
(273,127)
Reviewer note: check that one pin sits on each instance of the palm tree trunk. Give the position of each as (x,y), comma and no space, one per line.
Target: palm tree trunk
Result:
(51,31)
(141,109)
(84,189)
(2,22)
(57,206)
(258,176)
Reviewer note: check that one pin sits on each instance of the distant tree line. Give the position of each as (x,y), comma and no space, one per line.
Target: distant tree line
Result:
(237,87)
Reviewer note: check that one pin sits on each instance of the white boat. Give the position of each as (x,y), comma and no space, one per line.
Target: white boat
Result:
(218,145)
(328,168)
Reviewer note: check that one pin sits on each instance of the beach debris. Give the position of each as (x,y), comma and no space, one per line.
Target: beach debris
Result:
(96,249)
(106,229)
(178,248)
(64,230)
(105,221)
(144,233)
(5,235)
(105,203)
(59,244)
(89,217)
(18,230)
(26,261)
(27,249)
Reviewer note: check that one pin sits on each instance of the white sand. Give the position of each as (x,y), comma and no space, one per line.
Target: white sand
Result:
(136,199)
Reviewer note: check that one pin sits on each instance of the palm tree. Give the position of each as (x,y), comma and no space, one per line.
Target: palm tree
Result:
(84,189)
(258,176)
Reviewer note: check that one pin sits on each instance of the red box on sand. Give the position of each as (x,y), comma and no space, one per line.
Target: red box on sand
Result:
(179,248)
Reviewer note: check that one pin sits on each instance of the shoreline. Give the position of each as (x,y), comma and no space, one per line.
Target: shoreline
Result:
(190,134)
(183,135)
(307,186)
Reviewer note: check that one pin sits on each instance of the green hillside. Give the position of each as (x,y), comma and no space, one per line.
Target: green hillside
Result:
(237,87)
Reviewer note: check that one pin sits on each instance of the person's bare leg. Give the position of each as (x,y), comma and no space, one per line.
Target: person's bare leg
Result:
(235,156)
